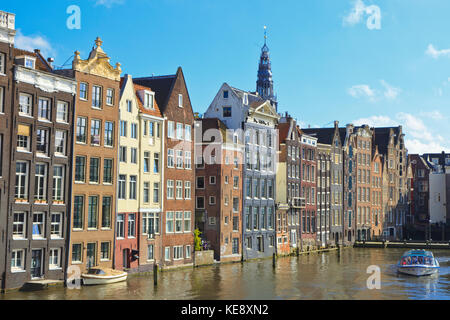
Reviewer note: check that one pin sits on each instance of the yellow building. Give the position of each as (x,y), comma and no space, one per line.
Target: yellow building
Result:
(140,178)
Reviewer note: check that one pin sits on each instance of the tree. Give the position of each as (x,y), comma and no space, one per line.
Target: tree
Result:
(197,240)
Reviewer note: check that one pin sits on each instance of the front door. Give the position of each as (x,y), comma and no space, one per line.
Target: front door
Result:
(91,255)
(36,263)
(125,258)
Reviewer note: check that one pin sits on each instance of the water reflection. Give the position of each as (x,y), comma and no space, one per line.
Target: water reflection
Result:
(316,276)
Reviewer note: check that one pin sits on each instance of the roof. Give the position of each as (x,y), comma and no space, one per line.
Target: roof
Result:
(161,85)
(283,131)
(153,112)
(323,135)
(382,136)
(41,64)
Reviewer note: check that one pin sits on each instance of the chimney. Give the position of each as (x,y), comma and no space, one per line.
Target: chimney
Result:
(50,61)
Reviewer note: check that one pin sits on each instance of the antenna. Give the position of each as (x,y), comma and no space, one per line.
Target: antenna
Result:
(65,63)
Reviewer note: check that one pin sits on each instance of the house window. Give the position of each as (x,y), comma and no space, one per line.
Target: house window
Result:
(156,163)
(56,226)
(123,154)
(148,101)
(38,225)
(200,182)
(78,212)
(83,91)
(235,205)
(81,130)
(170,189)
(180,100)
(108,171)
(187,190)
(187,221)
(94,170)
(123,128)
(109,134)
(23,138)
(129,105)
(62,109)
(96,97)
(25,104)
(150,252)
(44,109)
(146,162)
(179,221)
(134,131)
(17,260)
(95,132)
(200,202)
(106,212)
(131,225)
(2,63)
(178,253)
(171,130)
(19,225)
(92,212)
(133,184)
(80,169)
(76,253)
(150,222)
(110,97)
(40,185)
(156,192)
(60,142)
(170,158)
(179,190)
(212,201)
(54,259)
(104,251)
(188,252)
(151,128)
(225,94)
(146,192)
(179,131)
(169,222)
(42,141)
(227,112)
(21,187)
(187,160)
(134,155)
(120,226)
(179,159)
(188,133)
(236,182)
(212,180)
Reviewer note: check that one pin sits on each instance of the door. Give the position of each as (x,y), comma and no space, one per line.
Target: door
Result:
(91,254)
(36,264)
(125,258)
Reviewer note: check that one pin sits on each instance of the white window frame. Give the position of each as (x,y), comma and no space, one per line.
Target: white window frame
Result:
(51,256)
(178,253)
(64,112)
(180,131)
(29,104)
(26,182)
(17,267)
(170,189)
(180,100)
(110,95)
(179,190)
(20,236)
(60,196)
(171,129)
(187,190)
(64,142)
(58,225)
(41,235)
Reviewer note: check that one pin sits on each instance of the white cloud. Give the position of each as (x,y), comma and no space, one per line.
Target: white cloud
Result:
(419,138)
(434,53)
(391,92)
(358,12)
(434,115)
(108,3)
(362,91)
(30,43)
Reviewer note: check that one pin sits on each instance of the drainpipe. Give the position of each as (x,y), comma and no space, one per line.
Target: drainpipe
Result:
(162,166)
(116,193)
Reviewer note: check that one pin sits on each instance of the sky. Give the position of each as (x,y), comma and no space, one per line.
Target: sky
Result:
(375,62)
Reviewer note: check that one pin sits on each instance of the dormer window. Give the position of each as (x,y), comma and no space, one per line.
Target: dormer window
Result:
(245,99)
(149,100)
(29,62)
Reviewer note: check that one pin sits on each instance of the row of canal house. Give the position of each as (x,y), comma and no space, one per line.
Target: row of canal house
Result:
(100,169)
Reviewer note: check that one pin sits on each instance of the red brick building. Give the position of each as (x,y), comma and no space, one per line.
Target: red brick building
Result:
(177,221)
(219,188)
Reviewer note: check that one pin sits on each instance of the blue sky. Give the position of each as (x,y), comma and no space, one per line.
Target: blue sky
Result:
(380,62)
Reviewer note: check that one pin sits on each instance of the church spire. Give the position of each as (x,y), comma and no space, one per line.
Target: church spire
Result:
(264,84)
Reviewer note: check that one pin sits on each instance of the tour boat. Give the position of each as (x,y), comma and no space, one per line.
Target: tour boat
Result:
(418,263)
(103,276)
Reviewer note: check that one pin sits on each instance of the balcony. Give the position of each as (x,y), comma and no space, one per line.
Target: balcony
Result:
(298,203)
(7,20)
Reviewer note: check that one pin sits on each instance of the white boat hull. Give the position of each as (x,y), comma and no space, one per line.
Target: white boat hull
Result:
(90,280)
(418,270)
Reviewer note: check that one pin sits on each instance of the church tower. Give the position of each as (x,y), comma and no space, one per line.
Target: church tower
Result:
(264,85)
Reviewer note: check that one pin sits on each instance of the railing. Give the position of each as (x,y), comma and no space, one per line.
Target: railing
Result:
(7,20)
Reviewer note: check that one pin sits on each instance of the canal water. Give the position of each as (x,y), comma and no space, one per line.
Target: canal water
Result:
(317,276)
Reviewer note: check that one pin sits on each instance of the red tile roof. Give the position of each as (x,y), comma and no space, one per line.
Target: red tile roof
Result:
(153,112)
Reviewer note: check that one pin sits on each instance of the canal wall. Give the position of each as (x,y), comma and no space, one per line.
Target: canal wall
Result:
(403,244)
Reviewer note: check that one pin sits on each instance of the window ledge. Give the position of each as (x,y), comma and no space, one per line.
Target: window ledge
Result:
(18,271)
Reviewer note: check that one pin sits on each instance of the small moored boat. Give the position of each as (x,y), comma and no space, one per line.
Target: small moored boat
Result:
(418,263)
(103,276)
